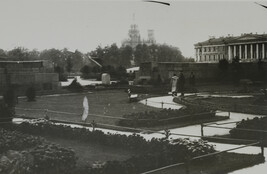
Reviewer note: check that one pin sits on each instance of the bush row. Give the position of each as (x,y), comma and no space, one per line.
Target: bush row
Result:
(149,154)
(182,150)
(14,140)
(165,116)
(254,124)
(21,153)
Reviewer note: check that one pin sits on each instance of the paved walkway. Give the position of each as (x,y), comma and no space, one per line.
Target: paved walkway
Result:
(161,102)
(195,130)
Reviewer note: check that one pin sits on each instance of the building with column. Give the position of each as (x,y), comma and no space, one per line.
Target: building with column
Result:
(247,47)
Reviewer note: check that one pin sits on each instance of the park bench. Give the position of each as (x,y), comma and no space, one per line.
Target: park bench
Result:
(132,97)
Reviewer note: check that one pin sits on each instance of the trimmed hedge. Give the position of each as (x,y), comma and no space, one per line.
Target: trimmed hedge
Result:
(165,116)
(257,123)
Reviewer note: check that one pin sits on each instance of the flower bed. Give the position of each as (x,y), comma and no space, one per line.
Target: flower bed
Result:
(255,123)
(14,140)
(165,116)
(150,154)
(21,153)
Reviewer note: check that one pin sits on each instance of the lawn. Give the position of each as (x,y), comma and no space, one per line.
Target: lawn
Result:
(250,105)
(107,102)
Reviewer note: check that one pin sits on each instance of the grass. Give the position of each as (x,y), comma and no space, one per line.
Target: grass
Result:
(113,103)
(241,105)
(107,102)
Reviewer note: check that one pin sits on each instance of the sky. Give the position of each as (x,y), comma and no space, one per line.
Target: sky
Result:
(86,24)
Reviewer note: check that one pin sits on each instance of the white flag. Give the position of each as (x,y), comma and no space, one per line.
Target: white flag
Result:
(85,109)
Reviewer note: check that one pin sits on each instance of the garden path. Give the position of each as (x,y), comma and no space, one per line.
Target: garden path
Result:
(234,117)
(161,102)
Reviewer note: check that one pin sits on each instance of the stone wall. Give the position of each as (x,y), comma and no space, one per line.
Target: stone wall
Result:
(204,72)
(22,75)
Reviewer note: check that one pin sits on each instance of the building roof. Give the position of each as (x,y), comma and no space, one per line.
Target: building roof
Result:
(234,39)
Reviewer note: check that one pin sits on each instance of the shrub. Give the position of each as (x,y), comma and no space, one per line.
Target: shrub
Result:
(7,104)
(17,141)
(150,154)
(223,65)
(255,123)
(75,86)
(22,153)
(6,112)
(10,98)
(86,70)
(165,116)
(31,94)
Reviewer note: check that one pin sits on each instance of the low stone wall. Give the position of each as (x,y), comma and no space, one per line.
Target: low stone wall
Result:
(204,72)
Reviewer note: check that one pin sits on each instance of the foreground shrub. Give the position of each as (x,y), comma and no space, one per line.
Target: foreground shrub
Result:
(14,140)
(16,162)
(178,151)
(149,154)
(51,158)
(21,153)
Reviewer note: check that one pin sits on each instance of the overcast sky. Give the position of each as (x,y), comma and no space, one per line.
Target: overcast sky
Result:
(85,24)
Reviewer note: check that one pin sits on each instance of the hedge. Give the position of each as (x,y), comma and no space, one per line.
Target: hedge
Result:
(165,116)
(257,123)
(149,154)
(21,153)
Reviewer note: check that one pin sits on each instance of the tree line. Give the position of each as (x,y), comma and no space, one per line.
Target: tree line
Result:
(67,61)
(115,56)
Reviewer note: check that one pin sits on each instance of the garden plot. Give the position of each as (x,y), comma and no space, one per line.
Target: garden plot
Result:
(154,153)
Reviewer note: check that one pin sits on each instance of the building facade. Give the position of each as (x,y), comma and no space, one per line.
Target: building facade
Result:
(247,47)
(21,75)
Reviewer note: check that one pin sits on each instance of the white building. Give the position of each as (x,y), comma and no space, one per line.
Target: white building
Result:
(247,47)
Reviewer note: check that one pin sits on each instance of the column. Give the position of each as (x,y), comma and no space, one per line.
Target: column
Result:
(234,51)
(251,51)
(240,52)
(229,53)
(196,55)
(257,51)
(263,51)
(246,51)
